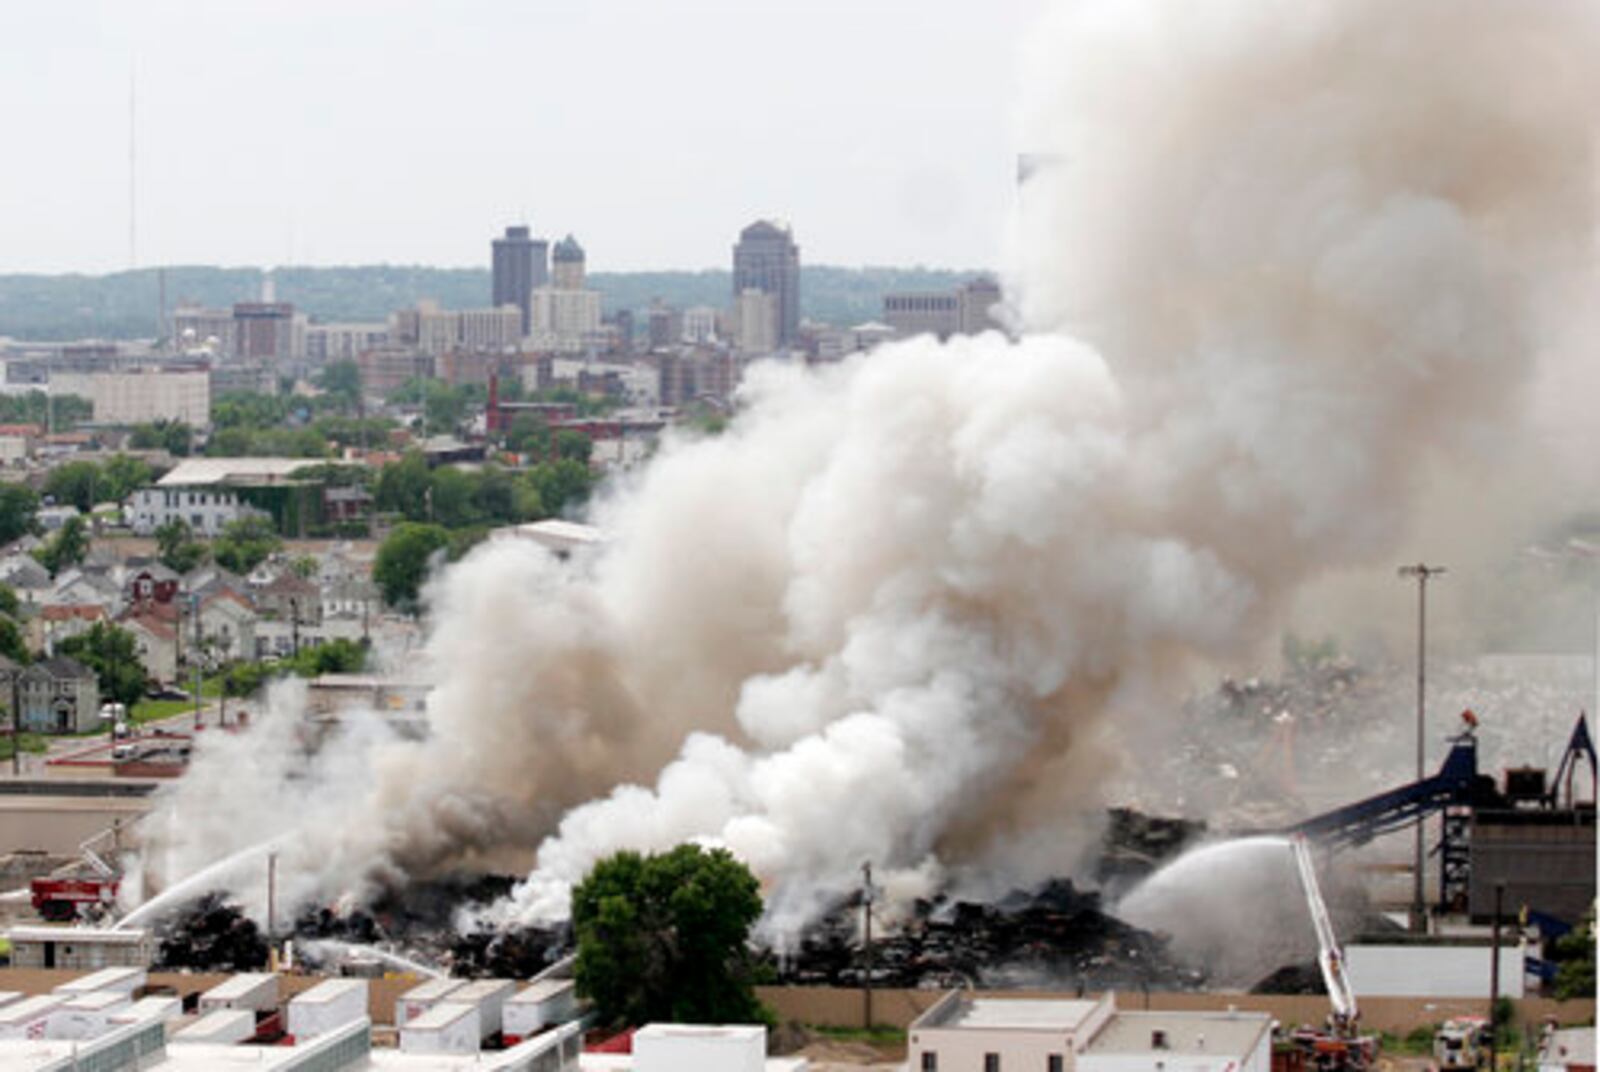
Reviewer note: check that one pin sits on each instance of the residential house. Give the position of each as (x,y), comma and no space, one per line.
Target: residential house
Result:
(155,636)
(62,621)
(26,577)
(289,597)
(59,695)
(228,625)
(203,582)
(148,581)
(349,597)
(86,586)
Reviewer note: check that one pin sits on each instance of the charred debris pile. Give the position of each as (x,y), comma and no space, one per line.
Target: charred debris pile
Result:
(1057,934)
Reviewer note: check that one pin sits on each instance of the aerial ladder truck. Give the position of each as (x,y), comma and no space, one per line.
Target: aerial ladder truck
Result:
(1338,1047)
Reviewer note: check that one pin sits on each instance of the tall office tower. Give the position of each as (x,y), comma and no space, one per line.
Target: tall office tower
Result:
(766,259)
(520,264)
(566,264)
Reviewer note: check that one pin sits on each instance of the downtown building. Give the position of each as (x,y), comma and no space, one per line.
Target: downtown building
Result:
(766,259)
(520,263)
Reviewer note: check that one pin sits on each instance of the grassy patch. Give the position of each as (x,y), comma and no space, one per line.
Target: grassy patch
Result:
(31,742)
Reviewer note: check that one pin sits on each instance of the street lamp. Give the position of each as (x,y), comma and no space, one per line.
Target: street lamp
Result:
(1422,573)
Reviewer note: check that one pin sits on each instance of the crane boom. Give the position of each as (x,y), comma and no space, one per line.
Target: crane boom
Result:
(1330,958)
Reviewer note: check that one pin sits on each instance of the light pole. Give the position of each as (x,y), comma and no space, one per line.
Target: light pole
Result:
(1422,574)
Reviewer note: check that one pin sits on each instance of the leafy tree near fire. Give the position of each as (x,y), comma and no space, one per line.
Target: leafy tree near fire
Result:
(664,938)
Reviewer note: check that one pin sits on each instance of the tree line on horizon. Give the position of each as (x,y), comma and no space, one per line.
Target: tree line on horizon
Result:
(124,305)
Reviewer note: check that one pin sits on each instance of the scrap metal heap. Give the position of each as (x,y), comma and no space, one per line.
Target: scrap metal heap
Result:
(1056,935)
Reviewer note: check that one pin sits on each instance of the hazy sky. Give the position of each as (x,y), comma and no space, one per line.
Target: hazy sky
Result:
(358,131)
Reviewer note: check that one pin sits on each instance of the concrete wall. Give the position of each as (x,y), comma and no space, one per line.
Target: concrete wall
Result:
(838,1007)
(60,824)
(1431,971)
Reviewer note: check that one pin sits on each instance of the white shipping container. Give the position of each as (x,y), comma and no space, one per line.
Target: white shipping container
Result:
(448,1027)
(419,999)
(86,1016)
(489,995)
(326,1006)
(257,991)
(1426,971)
(126,980)
(30,1017)
(164,1008)
(225,1026)
(543,1003)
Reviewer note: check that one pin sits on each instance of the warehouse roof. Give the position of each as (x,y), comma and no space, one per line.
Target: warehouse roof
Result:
(198,472)
(1226,1034)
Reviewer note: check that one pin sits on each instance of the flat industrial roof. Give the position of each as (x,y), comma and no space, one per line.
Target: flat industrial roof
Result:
(432,989)
(197,472)
(442,1014)
(542,990)
(239,985)
(1230,1034)
(1024,1013)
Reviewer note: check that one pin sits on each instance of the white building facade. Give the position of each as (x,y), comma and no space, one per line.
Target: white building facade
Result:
(142,396)
(206,510)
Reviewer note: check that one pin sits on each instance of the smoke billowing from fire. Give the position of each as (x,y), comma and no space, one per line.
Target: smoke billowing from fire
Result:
(1273,264)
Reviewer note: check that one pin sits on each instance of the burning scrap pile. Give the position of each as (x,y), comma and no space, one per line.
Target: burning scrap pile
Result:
(211,935)
(1055,935)
(1135,844)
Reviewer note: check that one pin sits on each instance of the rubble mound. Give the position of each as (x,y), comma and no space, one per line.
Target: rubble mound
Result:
(1293,979)
(211,935)
(1136,845)
(1055,935)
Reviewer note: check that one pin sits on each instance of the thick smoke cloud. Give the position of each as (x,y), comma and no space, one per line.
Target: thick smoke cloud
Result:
(1275,266)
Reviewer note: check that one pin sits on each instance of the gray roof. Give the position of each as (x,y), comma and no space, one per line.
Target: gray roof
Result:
(64,666)
(567,250)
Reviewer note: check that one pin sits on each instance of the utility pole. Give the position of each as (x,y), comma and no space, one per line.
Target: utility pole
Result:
(16,723)
(272,885)
(1422,573)
(194,607)
(866,945)
(1494,977)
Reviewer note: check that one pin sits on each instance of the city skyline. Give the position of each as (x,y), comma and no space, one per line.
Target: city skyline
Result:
(289,134)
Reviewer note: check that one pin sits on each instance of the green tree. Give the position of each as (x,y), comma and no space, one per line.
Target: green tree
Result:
(121,476)
(12,646)
(66,548)
(174,437)
(9,603)
(245,544)
(403,560)
(74,484)
(663,938)
(451,492)
(177,548)
(113,656)
(337,656)
(561,484)
(403,487)
(18,509)
(341,380)
(1574,956)
(573,444)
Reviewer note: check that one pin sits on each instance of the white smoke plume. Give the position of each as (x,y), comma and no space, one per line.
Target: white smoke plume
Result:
(1279,264)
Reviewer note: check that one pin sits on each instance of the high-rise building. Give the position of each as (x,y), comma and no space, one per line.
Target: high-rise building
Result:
(567,264)
(267,331)
(521,263)
(755,318)
(767,259)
